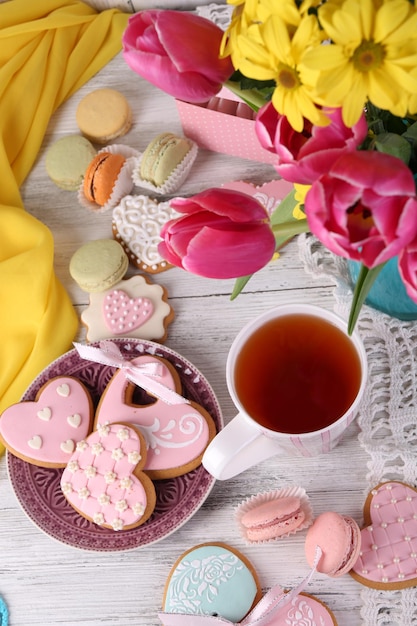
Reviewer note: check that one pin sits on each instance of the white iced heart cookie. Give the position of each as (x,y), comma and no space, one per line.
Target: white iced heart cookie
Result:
(44,432)
(176,435)
(103,480)
(137,223)
(138,290)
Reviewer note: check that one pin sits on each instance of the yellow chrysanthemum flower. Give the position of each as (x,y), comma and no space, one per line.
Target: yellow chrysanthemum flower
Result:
(372,52)
(248,12)
(300,194)
(274,51)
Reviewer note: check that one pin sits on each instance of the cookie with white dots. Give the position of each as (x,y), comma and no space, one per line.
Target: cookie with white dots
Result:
(45,431)
(103,481)
(388,555)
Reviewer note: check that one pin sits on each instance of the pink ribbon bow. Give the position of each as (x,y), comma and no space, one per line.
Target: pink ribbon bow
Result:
(262,615)
(144,375)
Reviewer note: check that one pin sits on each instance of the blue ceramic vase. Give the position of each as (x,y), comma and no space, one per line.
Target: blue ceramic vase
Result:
(388,293)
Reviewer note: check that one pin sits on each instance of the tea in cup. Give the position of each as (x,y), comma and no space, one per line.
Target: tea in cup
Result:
(296,378)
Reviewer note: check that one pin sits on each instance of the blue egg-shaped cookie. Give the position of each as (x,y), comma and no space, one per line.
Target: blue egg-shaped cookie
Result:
(212,579)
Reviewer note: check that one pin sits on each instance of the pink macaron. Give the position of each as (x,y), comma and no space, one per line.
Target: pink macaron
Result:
(273,518)
(339,538)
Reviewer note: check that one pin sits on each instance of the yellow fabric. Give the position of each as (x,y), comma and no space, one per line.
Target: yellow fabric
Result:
(48,49)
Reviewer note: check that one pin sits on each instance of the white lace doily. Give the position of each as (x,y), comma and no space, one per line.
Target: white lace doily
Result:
(388,417)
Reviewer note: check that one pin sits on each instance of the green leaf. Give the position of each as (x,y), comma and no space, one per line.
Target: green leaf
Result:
(283,212)
(393,144)
(239,285)
(364,282)
(411,133)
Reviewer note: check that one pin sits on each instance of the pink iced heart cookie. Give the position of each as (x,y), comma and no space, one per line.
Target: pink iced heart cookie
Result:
(45,432)
(123,314)
(388,556)
(304,609)
(176,435)
(103,480)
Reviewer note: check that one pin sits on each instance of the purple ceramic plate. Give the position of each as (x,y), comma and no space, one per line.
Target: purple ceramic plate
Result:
(38,489)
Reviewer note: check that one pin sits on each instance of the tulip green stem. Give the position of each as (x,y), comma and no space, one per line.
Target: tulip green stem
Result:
(251,97)
(290,229)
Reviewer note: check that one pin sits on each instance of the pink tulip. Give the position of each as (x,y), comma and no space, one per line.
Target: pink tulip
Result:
(407,265)
(223,234)
(365,208)
(304,157)
(178,52)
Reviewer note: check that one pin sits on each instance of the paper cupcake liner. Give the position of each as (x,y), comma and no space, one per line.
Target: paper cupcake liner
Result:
(258,499)
(175,179)
(123,185)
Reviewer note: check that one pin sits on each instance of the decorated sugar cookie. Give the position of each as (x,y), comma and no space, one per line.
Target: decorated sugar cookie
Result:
(388,555)
(214,584)
(176,434)
(45,432)
(133,308)
(212,579)
(103,480)
(136,224)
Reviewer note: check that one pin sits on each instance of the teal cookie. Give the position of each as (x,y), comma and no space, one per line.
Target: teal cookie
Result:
(212,579)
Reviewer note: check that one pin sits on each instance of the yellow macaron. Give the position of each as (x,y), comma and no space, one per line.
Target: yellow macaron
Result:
(103,115)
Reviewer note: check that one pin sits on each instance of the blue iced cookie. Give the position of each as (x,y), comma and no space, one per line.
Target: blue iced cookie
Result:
(212,579)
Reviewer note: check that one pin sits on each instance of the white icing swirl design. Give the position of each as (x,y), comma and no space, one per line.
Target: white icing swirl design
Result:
(138,221)
(190,424)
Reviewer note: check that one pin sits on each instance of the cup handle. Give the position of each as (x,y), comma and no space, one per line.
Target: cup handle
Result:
(236,448)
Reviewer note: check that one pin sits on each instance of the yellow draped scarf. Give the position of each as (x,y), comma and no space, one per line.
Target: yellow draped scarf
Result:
(48,49)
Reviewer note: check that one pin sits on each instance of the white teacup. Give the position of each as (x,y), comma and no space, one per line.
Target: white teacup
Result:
(310,375)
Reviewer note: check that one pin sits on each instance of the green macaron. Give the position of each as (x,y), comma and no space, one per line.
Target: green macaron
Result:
(98,265)
(162,155)
(67,159)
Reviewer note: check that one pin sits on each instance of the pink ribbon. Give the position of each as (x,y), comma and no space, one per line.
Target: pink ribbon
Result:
(262,615)
(144,375)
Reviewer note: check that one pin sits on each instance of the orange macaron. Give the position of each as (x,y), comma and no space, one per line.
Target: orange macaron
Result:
(101,176)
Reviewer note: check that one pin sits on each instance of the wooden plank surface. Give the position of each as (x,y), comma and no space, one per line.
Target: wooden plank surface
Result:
(47,583)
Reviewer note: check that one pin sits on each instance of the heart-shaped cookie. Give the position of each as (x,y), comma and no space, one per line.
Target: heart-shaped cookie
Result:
(44,432)
(136,224)
(123,314)
(388,556)
(103,481)
(176,435)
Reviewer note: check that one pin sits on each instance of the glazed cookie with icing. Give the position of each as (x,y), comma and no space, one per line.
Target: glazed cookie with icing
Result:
(212,579)
(45,432)
(133,307)
(103,480)
(176,435)
(136,225)
(388,555)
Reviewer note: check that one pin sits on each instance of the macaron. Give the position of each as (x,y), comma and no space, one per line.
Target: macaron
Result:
(98,265)
(161,157)
(67,159)
(101,175)
(339,538)
(273,518)
(103,115)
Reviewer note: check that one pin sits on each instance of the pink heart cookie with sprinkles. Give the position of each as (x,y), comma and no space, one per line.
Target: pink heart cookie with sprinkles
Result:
(45,432)
(176,435)
(103,480)
(388,556)
(123,314)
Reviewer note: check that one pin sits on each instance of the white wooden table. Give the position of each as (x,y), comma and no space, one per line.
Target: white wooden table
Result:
(47,583)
